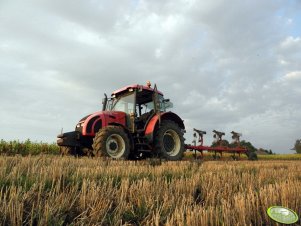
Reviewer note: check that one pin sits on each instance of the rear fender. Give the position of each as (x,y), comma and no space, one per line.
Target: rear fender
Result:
(150,128)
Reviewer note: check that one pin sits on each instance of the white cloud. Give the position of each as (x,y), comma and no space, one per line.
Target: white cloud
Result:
(294,75)
(291,42)
(289,21)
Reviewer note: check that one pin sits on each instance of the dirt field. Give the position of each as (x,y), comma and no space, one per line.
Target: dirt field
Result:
(50,190)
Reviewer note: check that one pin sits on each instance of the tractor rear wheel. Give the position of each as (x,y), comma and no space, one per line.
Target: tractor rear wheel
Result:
(169,141)
(111,141)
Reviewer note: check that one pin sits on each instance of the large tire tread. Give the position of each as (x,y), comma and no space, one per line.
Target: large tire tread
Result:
(158,140)
(99,141)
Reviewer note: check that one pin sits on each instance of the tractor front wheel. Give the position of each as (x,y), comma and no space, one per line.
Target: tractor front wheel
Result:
(111,141)
(169,141)
(67,150)
(64,150)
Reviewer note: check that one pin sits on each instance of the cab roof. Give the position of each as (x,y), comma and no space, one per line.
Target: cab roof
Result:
(135,86)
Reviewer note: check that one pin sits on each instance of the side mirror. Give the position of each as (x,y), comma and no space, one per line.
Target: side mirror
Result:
(168,104)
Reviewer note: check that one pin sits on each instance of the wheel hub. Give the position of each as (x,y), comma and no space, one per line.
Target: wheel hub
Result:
(115,145)
(171,142)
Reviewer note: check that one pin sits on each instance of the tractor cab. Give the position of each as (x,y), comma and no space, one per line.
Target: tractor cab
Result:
(140,103)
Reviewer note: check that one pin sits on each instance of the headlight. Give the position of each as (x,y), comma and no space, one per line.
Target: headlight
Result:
(79,125)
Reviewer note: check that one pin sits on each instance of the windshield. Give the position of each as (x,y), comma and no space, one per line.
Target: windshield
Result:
(124,103)
(146,107)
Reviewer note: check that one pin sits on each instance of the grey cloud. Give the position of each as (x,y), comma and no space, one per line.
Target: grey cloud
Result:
(225,66)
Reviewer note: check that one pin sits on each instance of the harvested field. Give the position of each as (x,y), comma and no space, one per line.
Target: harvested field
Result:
(50,190)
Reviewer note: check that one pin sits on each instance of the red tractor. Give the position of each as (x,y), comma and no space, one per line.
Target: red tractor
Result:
(133,124)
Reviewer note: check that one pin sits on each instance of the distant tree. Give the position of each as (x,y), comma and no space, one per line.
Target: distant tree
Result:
(297,146)
(269,152)
(266,151)
(248,145)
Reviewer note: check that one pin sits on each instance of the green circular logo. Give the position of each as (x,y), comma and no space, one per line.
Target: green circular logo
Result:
(282,215)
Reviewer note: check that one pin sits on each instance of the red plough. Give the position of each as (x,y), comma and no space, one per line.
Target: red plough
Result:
(219,147)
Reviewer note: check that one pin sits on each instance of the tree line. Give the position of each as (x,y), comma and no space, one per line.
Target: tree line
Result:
(297,146)
(245,144)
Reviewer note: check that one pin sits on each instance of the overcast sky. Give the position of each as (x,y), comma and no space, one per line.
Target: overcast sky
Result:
(226,65)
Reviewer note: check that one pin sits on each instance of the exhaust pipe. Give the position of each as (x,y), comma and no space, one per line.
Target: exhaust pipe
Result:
(104,102)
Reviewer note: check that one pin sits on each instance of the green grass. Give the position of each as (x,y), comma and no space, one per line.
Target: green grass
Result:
(280,157)
(27,147)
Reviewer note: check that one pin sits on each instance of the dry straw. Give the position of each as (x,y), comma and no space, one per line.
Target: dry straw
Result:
(50,190)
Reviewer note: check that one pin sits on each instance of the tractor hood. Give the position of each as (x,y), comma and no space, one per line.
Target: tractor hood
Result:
(92,123)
